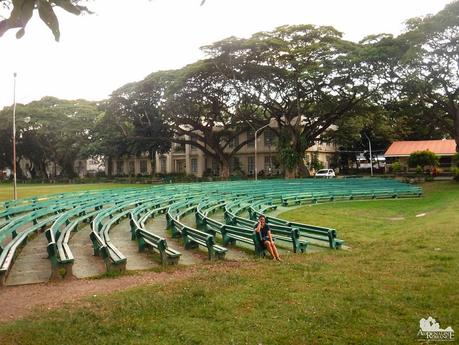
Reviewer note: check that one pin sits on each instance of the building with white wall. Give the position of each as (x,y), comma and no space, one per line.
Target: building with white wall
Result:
(190,160)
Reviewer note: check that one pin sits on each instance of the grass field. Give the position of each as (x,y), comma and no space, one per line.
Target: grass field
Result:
(29,190)
(399,268)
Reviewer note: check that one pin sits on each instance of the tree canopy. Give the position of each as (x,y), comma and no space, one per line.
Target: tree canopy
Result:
(431,79)
(48,131)
(306,81)
(129,125)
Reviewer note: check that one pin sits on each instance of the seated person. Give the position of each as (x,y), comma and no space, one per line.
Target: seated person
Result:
(262,229)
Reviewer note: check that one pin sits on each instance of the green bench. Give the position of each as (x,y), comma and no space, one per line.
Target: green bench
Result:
(212,226)
(146,239)
(317,233)
(279,232)
(114,260)
(193,238)
(59,252)
(8,252)
(232,234)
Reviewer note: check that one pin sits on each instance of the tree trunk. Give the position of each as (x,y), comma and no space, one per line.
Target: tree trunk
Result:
(19,172)
(33,171)
(302,169)
(68,170)
(43,170)
(109,166)
(290,173)
(225,169)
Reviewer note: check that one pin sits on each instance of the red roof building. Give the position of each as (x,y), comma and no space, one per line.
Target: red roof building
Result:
(405,148)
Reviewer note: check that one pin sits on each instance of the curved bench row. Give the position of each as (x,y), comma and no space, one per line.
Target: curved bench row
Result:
(147,239)
(241,202)
(192,237)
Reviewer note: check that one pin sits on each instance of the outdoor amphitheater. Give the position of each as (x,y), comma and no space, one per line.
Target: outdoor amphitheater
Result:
(92,232)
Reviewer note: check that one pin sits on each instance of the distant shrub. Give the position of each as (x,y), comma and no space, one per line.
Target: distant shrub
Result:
(419,170)
(429,178)
(423,159)
(456,160)
(396,167)
(456,173)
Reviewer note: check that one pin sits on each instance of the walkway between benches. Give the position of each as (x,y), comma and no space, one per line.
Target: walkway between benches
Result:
(120,235)
(32,264)
(86,264)
(157,226)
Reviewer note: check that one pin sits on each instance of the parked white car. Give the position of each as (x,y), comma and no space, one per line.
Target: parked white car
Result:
(326,173)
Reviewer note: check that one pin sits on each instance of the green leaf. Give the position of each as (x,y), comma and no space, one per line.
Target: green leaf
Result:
(19,17)
(47,14)
(20,33)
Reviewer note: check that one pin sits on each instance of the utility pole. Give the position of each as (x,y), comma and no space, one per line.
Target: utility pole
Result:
(14,139)
(371,156)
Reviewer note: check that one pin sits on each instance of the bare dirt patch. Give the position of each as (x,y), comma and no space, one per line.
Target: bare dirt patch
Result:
(397,218)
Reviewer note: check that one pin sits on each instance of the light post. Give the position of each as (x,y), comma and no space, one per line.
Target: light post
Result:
(14,139)
(371,156)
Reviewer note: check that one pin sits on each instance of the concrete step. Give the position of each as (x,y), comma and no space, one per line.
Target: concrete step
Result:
(32,264)
(86,264)
(157,226)
(120,236)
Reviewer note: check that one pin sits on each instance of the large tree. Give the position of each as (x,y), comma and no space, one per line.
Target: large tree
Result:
(131,125)
(305,77)
(49,131)
(203,108)
(431,79)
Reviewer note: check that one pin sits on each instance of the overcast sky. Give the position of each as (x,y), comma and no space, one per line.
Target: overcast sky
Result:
(126,40)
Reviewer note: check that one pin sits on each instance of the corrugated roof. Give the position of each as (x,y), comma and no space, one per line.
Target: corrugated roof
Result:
(405,148)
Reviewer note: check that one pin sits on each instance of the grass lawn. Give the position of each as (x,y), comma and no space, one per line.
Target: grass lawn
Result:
(399,269)
(29,190)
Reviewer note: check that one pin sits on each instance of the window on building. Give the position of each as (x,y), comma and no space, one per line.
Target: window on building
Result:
(178,147)
(143,167)
(194,166)
(250,136)
(119,167)
(251,165)
(180,165)
(131,168)
(234,142)
(269,137)
(235,164)
(162,165)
